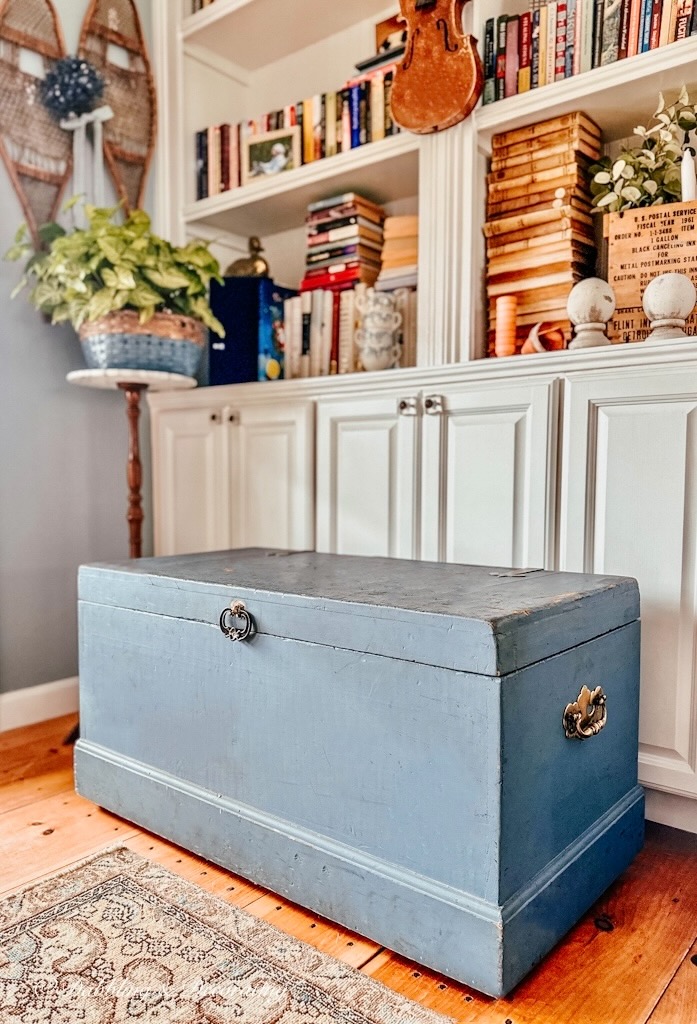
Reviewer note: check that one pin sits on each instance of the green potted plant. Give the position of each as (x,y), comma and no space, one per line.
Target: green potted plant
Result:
(650,173)
(135,300)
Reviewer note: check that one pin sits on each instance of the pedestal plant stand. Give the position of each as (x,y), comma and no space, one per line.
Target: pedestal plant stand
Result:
(133,383)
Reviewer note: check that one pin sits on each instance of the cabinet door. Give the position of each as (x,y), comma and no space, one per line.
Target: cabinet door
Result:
(187,468)
(270,475)
(366,476)
(629,507)
(489,459)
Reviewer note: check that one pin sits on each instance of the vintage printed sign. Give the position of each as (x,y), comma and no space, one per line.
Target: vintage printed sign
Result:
(643,244)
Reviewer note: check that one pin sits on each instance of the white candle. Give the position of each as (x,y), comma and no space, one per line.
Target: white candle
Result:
(689,178)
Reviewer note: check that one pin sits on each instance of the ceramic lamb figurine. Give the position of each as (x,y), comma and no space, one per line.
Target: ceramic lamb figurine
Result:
(668,301)
(590,306)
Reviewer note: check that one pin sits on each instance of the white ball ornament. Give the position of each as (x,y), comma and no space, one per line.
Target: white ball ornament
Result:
(668,301)
(590,305)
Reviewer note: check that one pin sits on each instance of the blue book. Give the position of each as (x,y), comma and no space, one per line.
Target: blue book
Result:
(251,311)
(355,112)
(645,26)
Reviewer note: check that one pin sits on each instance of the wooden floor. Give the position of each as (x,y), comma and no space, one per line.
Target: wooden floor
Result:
(632,959)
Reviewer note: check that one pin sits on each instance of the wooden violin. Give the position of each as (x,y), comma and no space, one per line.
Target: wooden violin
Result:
(441,77)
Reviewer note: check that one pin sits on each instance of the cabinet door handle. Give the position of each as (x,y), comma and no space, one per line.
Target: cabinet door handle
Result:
(232,417)
(434,405)
(216,417)
(407,407)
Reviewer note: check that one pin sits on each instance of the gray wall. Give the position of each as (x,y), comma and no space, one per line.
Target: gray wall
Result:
(62,466)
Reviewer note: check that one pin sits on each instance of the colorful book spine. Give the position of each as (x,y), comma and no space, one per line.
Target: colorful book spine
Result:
(560,42)
(489,93)
(634,28)
(598,18)
(512,50)
(570,54)
(684,19)
(524,52)
(501,57)
(655,28)
(542,71)
(551,52)
(645,26)
(611,32)
(535,49)
(355,111)
(625,15)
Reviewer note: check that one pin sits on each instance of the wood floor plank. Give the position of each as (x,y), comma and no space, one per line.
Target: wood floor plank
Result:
(27,791)
(652,911)
(679,1004)
(43,750)
(52,833)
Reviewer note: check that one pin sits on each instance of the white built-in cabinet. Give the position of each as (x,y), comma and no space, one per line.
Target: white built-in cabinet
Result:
(230,474)
(462,474)
(629,506)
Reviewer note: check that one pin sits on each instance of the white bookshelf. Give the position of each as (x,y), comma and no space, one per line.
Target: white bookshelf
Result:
(239,58)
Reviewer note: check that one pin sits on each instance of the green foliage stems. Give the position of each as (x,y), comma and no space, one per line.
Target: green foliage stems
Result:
(84,274)
(650,174)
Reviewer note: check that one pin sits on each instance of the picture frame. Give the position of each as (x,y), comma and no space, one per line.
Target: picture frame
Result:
(270,153)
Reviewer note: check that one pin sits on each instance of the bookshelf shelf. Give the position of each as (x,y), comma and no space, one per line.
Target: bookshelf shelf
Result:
(618,96)
(253,33)
(380,170)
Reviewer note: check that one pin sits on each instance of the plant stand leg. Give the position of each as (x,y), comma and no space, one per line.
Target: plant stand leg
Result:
(134,472)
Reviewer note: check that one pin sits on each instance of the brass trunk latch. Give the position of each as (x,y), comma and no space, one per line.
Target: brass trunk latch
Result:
(587,715)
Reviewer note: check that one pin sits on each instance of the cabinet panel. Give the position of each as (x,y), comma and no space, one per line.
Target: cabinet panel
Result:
(629,506)
(187,465)
(366,477)
(271,476)
(488,475)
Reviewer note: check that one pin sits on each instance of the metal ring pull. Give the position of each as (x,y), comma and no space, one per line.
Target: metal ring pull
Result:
(587,715)
(230,615)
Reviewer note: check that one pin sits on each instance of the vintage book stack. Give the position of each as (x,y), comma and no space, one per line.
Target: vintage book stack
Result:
(557,39)
(540,233)
(344,245)
(400,253)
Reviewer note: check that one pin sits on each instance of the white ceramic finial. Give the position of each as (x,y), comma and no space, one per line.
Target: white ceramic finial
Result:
(590,306)
(668,301)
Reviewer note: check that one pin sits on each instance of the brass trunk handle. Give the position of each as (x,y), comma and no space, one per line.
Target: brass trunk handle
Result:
(229,618)
(587,715)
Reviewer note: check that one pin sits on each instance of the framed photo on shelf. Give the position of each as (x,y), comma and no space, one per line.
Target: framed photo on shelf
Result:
(270,153)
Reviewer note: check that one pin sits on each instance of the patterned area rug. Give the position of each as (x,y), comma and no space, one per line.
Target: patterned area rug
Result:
(119,939)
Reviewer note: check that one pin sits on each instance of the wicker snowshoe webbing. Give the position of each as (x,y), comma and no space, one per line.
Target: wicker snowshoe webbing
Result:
(129,137)
(35,150)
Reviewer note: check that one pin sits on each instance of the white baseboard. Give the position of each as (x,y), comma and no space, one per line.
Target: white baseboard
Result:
(38,703)
(669,809)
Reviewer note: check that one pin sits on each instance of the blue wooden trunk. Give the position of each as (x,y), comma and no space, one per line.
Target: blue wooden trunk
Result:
(388,748)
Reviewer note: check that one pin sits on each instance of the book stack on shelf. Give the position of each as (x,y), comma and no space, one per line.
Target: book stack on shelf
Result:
(557,39)
(539,230)
(344,242)
(198,5)
(400,253)
(327,124)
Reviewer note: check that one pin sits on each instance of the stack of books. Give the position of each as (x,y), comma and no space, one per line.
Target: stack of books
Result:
(344,242)
(198,5)
(539,231)
(557,39)
(400,253)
